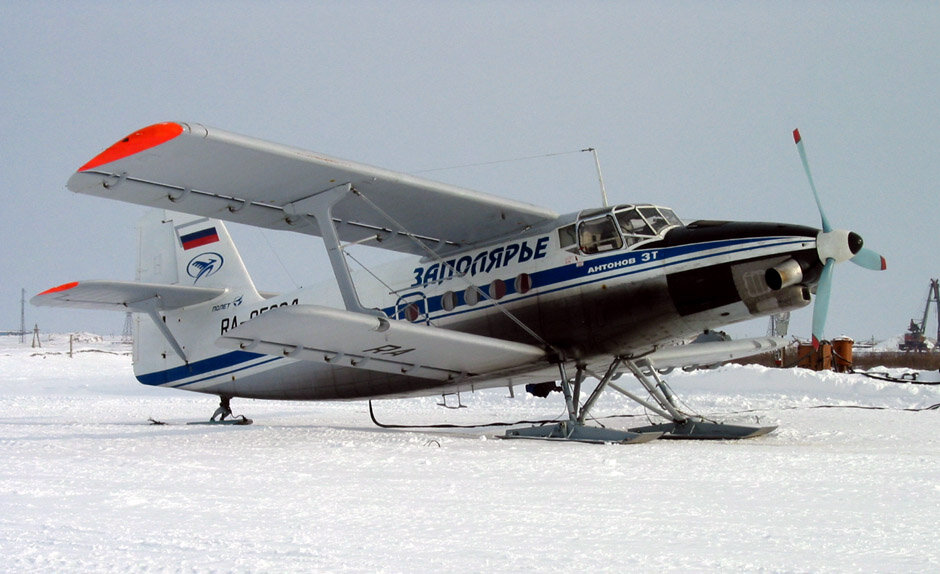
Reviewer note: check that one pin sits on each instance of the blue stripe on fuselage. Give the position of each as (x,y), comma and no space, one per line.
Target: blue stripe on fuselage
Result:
(204,367)
(626,261)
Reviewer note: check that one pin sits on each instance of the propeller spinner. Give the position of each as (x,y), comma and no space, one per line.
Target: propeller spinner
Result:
(833,246)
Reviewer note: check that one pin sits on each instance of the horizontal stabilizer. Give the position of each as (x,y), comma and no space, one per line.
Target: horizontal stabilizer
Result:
(347,339)
(706,354)
(124,296)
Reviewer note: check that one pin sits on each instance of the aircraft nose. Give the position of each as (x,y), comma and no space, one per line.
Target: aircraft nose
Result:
(855,242)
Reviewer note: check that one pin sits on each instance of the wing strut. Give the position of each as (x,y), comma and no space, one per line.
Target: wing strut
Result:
(320,206)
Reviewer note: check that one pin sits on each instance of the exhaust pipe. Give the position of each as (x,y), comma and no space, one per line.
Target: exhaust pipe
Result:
(784,275)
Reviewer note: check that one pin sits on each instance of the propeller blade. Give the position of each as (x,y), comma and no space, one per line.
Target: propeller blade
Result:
(869,260)
(821,307)
(799,146)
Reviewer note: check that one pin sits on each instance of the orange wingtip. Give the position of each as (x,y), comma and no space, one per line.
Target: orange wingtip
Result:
(60,288)
(138,141)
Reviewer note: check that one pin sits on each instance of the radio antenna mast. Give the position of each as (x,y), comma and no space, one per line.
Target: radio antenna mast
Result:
(600,176)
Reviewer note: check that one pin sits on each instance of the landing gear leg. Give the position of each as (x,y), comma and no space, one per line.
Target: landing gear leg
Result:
(574,428)
(680,425)
(225,416)
(224,410)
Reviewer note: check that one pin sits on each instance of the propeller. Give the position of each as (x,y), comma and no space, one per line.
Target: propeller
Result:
(833,246)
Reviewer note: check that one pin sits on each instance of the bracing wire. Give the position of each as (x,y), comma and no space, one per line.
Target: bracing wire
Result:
(510,160)
(278,257)
(496,304)
(369,271)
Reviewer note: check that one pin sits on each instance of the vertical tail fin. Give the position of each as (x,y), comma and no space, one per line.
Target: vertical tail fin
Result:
(181,249)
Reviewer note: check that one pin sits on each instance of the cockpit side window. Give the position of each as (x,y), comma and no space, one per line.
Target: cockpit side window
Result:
(567,238)
(599,235)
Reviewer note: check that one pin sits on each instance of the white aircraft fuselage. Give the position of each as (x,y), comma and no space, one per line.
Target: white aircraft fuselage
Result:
(584,297)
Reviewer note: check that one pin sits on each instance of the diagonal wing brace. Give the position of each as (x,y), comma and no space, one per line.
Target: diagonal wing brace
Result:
(320,207)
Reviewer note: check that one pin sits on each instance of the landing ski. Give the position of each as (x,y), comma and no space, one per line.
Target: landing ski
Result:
(581,433)
(692,429)
(239,420)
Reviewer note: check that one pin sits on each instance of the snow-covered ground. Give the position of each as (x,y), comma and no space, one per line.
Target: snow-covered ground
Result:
(87,484)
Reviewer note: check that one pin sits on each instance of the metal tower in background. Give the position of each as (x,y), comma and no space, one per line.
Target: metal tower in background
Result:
(916,337)
(779,325)
(127,335)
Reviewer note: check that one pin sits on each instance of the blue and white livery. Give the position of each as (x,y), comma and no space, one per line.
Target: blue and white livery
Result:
(495,293)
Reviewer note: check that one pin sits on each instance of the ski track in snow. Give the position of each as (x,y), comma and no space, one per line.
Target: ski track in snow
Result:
(86,484)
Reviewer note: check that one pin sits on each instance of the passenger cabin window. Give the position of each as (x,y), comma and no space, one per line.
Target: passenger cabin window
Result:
(599,235)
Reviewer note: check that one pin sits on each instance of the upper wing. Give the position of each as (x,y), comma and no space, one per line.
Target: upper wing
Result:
(707,354)
(124,296)
(347,339)
(210,172)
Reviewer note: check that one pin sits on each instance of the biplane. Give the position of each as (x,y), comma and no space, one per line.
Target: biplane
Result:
(493,292)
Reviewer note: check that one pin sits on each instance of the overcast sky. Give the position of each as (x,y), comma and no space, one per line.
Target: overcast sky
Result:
(690,105)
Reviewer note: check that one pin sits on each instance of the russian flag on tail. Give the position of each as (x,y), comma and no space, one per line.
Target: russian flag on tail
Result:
(199,238)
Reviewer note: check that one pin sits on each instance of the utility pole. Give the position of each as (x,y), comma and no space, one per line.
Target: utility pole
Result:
(23,316)
(933,295)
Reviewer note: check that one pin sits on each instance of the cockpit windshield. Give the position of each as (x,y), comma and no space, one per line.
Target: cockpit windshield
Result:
(641,222)
(623,225)
(631,223)
(657,221)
